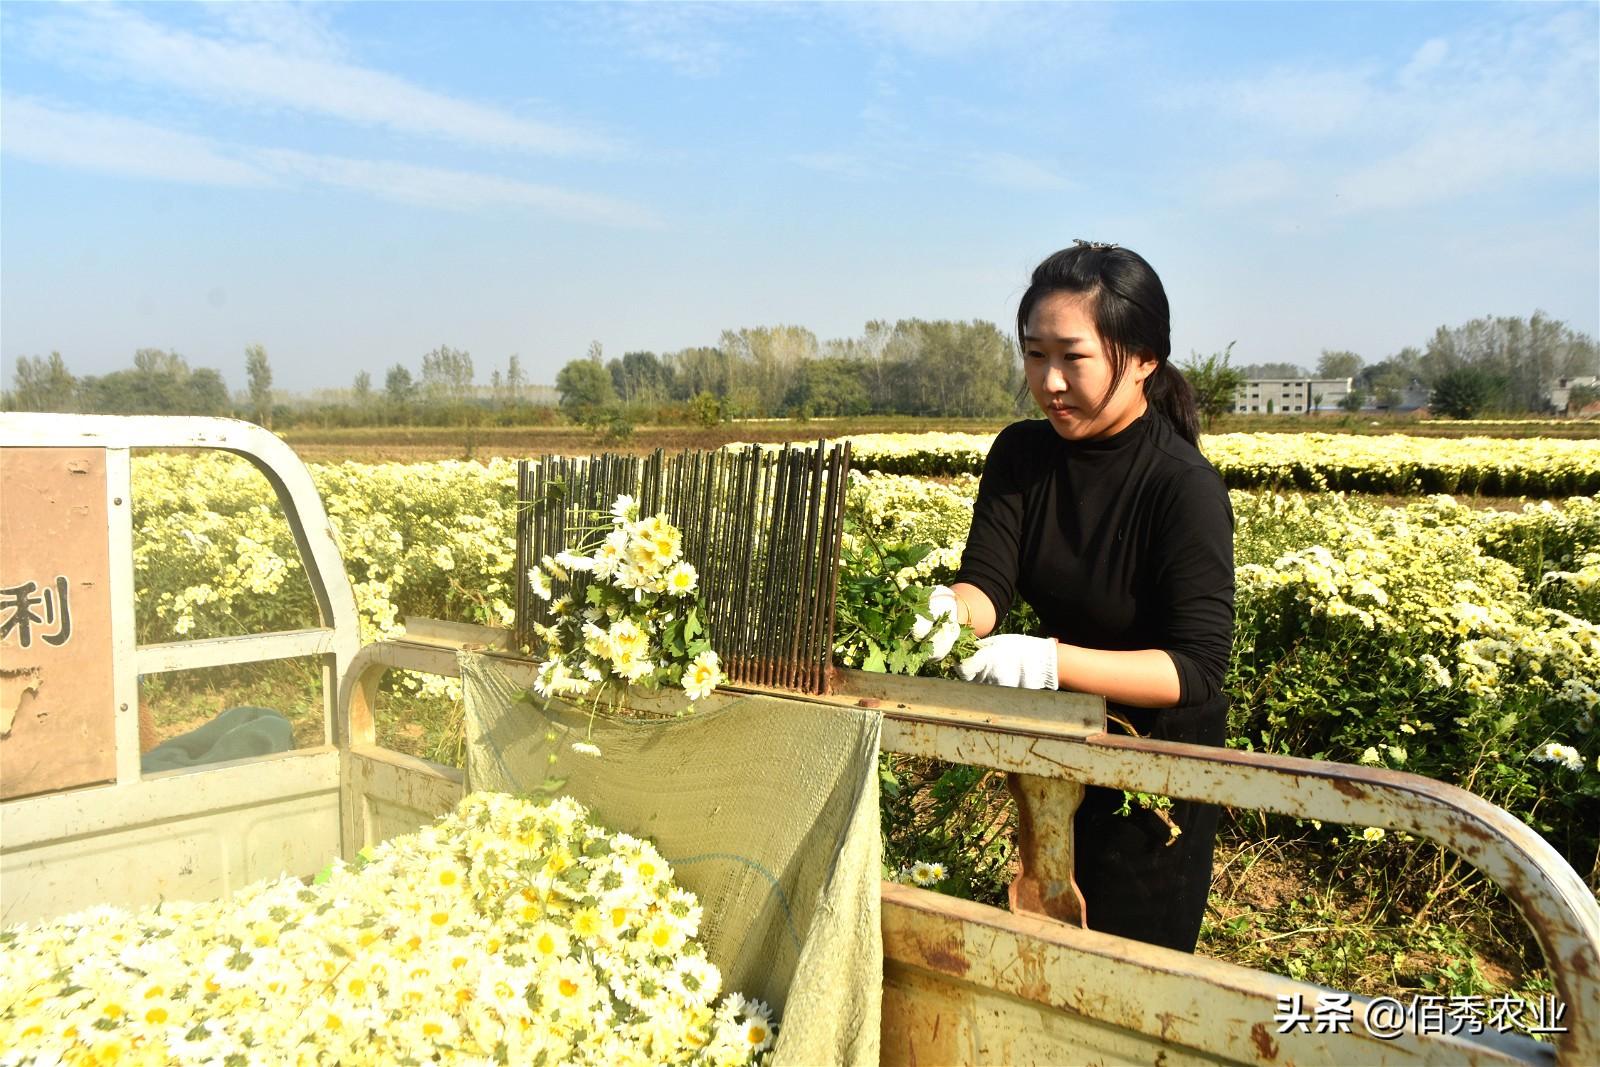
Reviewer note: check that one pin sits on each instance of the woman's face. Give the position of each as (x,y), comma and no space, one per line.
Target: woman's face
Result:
(1069,372)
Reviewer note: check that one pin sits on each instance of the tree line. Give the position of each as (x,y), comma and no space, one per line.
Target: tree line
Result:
(161,382)
(909,367)
(938,368)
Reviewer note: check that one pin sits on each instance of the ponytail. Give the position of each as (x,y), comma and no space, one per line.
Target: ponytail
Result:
(1170,393)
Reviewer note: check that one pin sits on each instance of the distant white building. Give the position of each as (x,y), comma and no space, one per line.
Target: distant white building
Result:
(1290,396)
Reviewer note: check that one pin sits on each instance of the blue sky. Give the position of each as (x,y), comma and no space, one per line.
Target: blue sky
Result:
(353,185)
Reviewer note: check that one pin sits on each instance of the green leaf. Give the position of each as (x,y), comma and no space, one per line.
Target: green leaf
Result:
(874,661)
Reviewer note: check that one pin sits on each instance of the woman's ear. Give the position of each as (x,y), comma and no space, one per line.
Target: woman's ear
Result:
(1144,365)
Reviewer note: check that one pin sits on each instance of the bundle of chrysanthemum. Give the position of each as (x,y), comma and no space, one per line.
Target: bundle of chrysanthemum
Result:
(638,622)
(508,932)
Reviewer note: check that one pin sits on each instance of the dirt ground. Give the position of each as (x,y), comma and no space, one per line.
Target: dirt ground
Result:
(411,444)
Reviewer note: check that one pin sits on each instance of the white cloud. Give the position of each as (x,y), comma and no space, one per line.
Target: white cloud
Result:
(941,30)
(42,133)
(1424,60)
(839,164)
(285,64)
(453,190)
(1503,101)
(1301,102)
(1461,159)
(684,37)
(301,28)
(1029,40)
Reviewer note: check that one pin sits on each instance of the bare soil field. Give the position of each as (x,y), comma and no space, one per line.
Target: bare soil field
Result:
(411,444)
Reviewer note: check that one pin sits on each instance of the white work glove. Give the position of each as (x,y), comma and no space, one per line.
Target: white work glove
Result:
(1015,660)
(942,609)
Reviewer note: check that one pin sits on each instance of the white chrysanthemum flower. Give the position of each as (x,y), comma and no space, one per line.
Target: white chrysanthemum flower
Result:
(1554,752)
(587,748)
(702,675)
(606,559)
(663,539)
(572,561)
(555,680)
(696,979)
(682,579)
(624,508)
(755,1023)
(1372,834)
(556,570)
(631,575)
(1435,671)
(925,874)
(661,936)
(633,668)
(568,989)
(628,640)
(539,582)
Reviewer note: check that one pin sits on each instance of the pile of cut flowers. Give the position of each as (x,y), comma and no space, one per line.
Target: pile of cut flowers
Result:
(508,932)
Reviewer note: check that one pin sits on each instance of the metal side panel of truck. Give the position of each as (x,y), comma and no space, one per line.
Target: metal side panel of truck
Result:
(963,982)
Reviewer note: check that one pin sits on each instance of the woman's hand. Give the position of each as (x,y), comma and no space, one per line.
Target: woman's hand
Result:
(1015,660)
(941,621)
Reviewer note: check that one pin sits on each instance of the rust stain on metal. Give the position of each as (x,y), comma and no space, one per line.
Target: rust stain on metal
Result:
(946,957)
(868,702)
(1349,789)
(1034,985)
(1264,1042)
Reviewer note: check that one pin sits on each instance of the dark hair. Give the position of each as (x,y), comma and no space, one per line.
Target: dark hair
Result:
(1130,313)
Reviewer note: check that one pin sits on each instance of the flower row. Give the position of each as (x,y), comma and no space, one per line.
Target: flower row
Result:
(1390,463)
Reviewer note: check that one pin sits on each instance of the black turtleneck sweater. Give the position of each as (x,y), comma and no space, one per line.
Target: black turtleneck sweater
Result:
(1120,543)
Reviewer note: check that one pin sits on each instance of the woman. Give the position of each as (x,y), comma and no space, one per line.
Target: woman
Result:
(1105,517)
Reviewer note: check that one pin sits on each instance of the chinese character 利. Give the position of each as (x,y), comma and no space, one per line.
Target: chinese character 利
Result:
(17,615)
